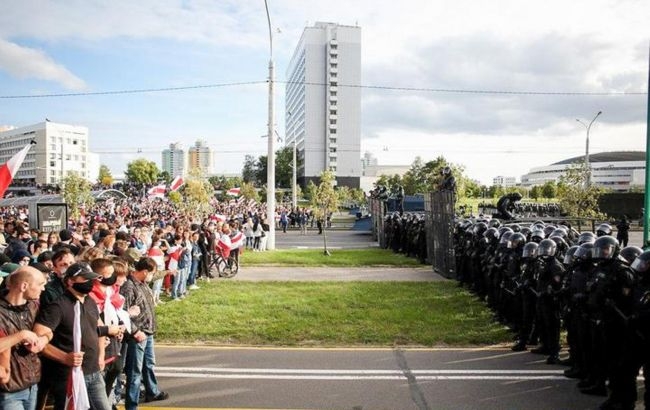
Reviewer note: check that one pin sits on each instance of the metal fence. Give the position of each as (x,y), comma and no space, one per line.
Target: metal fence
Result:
(439,220)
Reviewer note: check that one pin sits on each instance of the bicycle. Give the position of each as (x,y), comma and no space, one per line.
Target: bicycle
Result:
(225,266)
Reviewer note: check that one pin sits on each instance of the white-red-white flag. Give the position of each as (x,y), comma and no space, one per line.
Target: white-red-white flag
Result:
(9,170)
(176,183)
(233,191)
(157,192)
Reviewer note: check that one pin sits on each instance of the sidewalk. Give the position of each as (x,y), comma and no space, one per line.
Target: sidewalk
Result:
(299,273)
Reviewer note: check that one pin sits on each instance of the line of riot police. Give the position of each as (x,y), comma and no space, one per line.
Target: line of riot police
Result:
(406,234)
(538,277)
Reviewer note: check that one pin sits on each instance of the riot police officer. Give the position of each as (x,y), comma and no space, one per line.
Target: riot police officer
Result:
(528,294)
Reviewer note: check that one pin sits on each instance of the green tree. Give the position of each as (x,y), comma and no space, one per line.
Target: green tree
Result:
(536,192)
(197,195)
(248,191)
(310,192)
(142,171)
(324,202)
(549,190)
(248,171)
(77,194)
(175,198)
(105,177)
(164,176)
(576,198)
(284,167)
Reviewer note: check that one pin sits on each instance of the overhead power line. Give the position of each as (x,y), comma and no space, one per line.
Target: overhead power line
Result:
(362,86)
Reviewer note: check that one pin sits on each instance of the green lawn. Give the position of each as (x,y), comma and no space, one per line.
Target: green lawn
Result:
(338,257)
(330,314)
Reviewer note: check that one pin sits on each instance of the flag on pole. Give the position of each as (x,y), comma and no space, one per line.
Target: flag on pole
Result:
(76,394)
(9,170)
(176,183)
(233,191)
(157,192)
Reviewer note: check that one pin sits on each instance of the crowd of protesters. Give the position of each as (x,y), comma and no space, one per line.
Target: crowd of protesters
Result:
(77,306)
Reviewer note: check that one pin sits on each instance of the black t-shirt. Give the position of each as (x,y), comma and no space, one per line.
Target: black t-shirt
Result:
(59,316)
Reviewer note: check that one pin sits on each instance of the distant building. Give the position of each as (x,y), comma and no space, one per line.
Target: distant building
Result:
(60,150)
(323,103)
(368,160)
(616,170)
(505,182)
(173,160)
(201,157)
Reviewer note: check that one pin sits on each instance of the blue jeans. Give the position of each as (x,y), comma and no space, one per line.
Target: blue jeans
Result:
(140,361)
(178,289)
(20,400)
(191,279)
(96,392)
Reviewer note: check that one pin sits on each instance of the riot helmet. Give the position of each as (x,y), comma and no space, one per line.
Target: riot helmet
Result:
(584,252)
(480,228)
(491,234)
(629,253)
(606,248)
(530,250)
(641,265)
(517,240)
(546,248)
(494,223)
(548,230)
(586,237)
(526,231)
(503,230)
(537,236)
(504,241)
(569,257)
(446,171)
(603,229)
(515,227)
(558,232)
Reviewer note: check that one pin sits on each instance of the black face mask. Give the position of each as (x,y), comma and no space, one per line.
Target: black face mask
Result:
(110,281)
(83,287)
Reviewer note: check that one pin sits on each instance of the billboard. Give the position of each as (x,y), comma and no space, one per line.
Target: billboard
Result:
(48,217)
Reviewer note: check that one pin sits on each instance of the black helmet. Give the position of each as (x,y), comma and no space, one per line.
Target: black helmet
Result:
(569,257)
(606,248)
(503,230)
(491,234)
(530,250)
(559,241)
(537,236)
(584,252)
(515,227)
(446,170)
(526,231)
(504,241)
(546,248)
(548,230)
(629,253)
(558,232)
(494,223)
(517,240)
(586,237)
(603,229)
(480,228)
(641,264)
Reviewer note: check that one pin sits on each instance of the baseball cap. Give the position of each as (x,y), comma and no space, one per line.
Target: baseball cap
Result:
(80,269)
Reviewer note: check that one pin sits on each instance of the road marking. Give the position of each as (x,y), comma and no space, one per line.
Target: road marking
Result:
(356,374)
(496,348)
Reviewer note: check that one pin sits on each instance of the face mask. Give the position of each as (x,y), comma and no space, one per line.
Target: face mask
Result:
(84,287)
(110,281)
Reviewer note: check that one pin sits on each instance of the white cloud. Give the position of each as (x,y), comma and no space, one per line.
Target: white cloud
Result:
(24,62)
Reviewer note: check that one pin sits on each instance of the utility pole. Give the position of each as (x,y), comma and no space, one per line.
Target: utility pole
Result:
(294,182)
(270,174)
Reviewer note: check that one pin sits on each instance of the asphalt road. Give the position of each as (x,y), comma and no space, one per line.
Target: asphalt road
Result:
(336,239)
(363,379)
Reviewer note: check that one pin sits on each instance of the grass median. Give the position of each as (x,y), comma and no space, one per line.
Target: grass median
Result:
(338,257)
(329,314)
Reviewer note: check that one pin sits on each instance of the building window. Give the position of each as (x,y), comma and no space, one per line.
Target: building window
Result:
(52,163)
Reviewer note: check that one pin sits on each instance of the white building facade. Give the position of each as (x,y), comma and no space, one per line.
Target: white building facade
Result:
(323,103)
(505,182)
(174,159)
(201,157)
(60,149)
(616,171)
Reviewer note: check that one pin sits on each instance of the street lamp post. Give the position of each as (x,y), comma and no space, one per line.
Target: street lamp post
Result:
(294,182)
(588,127)
(270,174)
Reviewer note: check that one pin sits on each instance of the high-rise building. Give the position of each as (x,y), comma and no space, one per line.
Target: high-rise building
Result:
(323,103)
(173,160)
(60,150)
(200,156)
(503,181)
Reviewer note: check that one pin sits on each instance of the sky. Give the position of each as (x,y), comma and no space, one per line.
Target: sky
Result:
(550,63)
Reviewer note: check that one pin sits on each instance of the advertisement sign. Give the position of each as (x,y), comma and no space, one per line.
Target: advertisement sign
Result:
(51,217)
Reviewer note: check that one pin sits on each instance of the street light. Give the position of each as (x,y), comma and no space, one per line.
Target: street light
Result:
(270,168)
(588,127)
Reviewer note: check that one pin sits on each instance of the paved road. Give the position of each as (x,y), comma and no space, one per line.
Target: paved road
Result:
(345,239)
(363,379)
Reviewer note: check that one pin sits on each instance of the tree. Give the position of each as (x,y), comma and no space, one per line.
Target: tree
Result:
(105,177)
(284,166)
(248,191)
(549,190)
(576,198)
(248,171)
(175,198)
(536,192)
(325,202)
(77,194)
(165,177)
(198,192)
(142,171)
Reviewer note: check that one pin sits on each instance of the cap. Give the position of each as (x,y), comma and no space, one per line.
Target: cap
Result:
(133,255)
(80,269)
(8,268)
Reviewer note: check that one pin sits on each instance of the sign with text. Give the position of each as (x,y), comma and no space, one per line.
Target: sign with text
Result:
(52,217)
